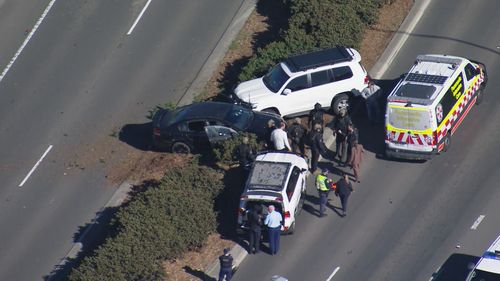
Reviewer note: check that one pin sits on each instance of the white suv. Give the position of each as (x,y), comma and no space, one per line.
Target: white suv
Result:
(277,178)
(488,267)
(293,86)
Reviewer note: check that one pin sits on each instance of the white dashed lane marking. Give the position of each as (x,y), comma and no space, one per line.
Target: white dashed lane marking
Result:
(36,165)
(138,18)
(333,273)
(477,222)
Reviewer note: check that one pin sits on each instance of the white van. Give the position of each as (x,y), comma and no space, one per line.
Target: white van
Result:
(429,103)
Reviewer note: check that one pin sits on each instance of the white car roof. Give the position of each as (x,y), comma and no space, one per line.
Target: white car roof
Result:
(283,157)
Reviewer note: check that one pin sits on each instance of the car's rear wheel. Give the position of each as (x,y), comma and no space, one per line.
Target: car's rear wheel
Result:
(291,229)
(447,142)
(340,102)
(272,110)
(181,148)
(479,95)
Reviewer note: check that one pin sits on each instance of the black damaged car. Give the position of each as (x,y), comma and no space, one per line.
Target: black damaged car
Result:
(194,127)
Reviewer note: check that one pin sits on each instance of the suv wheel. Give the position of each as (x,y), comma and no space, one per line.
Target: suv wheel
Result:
(181,148)
(272,110)
(291,229)
(339,103)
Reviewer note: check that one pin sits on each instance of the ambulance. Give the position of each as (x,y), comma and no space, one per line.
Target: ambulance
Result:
(426,107)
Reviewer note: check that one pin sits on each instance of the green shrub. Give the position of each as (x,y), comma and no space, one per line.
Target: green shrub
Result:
(225,151)
(315,24)
(167,219)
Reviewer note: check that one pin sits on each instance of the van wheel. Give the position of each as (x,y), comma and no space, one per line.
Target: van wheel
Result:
(339,103)
(447,142)
(181,148)
(479,95)
(291,229)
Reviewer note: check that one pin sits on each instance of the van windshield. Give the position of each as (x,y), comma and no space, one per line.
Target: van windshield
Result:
(409,118)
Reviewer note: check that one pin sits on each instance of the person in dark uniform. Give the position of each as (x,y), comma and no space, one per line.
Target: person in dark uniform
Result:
(246,156)
(269,144)
(343,190)
(340,134)
(317,145)
(297,133)
(316,116)
(226,266)
(255,229)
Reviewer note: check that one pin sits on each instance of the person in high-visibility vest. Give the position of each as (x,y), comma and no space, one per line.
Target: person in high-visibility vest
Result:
(323,184)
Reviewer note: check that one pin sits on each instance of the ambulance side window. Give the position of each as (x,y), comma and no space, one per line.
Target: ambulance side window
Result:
(470,71)
(449,99)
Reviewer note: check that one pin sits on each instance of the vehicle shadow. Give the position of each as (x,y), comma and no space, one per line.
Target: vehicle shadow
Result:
(198,274)
(138,136)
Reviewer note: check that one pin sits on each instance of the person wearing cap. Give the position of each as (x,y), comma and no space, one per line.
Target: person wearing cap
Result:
(296,133)
(323,186)
(340,133)
(226,266)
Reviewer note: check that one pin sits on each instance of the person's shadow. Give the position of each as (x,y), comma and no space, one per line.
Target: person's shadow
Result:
(198,274)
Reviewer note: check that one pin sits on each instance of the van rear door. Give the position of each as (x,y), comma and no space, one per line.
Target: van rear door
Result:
(409,127)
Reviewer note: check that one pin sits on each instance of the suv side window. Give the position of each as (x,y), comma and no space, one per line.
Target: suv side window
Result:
(342,73)
(197,126)
(299,83)
(320,78)
(294,177)
(470,71)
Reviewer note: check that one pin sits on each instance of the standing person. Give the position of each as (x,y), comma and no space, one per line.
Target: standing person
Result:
(271,126)
(356,159)
(316,116)
(246,156)
(273,222)
(280,138)
(351,137)
(343,190)
(226,266)
(370,94)
(255,231)
(340,133)
(316,142)
(323,187)
(297,133)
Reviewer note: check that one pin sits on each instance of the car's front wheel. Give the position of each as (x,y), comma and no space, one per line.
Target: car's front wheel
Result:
(339,103)
(272,110)
(181,148)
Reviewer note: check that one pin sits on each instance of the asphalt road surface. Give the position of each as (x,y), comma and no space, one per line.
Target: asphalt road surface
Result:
(406,218)
(78,80)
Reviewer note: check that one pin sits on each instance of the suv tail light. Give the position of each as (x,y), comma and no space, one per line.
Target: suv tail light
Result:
(367,79)
(287,215)
(156,131)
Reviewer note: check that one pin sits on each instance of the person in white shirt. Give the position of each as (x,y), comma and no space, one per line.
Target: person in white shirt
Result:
(370,94)
(273,222)
(279,138)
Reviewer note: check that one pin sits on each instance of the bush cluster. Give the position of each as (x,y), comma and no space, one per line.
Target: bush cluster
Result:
(225,152)
(315,24)
(167,219)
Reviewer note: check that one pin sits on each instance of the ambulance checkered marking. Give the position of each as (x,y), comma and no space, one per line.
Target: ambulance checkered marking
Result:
(465,101)
(420,139)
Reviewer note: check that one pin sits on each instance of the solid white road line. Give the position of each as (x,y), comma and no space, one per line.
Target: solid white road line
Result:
(477,222)
(333,273)
(33,30)
(138,18)
(36,165)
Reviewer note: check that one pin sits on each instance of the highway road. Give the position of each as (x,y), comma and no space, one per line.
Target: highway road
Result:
(88,69)
(406,218)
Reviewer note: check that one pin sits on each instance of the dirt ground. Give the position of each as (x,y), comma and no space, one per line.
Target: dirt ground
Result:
(192,265)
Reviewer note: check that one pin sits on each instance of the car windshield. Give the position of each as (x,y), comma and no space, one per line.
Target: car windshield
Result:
(275,78)
(479,275)
(239,117)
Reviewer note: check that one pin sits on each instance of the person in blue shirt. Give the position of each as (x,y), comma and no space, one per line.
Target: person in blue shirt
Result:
(273,222)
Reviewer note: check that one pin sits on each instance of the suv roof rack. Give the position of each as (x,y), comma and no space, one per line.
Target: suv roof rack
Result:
(318,58)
